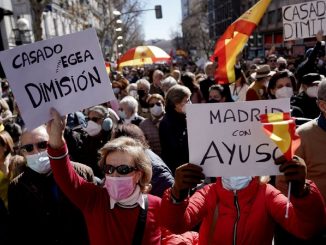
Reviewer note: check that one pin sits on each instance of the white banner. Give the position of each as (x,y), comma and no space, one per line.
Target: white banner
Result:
(304,20)
(227,139)
(67,73)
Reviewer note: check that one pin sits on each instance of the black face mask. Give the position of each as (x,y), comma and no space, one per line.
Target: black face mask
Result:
(213,101)
(141,93)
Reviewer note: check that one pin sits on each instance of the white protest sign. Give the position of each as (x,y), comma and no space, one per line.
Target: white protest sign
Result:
(67,73)
(227,139)
(304,20)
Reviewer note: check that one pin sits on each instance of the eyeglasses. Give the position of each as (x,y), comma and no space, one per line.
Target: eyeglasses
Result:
(94,119)
(272,60)
(121,169)
(39,145)
(157,103)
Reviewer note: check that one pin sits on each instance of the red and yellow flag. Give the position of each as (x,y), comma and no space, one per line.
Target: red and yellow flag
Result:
(280,127)
(231,43)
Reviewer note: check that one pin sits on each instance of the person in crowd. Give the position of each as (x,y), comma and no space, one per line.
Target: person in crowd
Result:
(6,151)
(272,62)
(242,209)
(239,88)
(143,87)
(309,65)
(188,79)
(84,147)
(120,211)
(312,150)
(281,64)
(282,85)
(132,90)
(37,207)
(258,89)
(176,74)
(173,127)
(133,76)
(128,111)
(119,87)
(150,125)
(17,165)
(167,83)
(156,85)
(5,112)
(15,132)
(252,69)
(217,94)
(162,177)
(306,99)
(209,70)
(4,224)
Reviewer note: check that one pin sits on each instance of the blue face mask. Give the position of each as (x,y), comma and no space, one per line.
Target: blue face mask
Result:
(236,182)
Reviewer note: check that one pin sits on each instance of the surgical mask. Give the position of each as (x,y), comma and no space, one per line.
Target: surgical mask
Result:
(236,182)
(141,93)
(312,91)
(184,107)
(39,162)
(116,90)
(122,114)
(107,124)
(284,92)
(93,128)
(119,188)
(156,110)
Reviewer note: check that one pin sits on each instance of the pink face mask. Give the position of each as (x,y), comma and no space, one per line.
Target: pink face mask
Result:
(119,188)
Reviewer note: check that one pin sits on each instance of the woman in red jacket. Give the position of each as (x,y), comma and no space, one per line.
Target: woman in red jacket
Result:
(243,210)
(121,212)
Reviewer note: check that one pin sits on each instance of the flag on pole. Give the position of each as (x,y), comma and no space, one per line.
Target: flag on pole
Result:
(231,43)
(280,127)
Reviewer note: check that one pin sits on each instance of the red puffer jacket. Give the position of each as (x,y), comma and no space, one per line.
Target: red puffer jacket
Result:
(247,216)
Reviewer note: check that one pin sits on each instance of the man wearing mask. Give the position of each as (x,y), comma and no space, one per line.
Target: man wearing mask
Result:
(155,88)
(306,100)
(209,70)
(99,126)
(38,209)
(143,87)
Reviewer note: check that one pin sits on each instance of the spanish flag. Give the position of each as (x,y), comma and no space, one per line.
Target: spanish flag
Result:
(231,43)
(280,127)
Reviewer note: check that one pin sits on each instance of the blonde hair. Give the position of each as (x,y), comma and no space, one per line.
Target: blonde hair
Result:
(136,150)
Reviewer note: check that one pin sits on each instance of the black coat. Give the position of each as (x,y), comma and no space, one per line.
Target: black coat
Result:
(307,105)
(174,139)
(40,213)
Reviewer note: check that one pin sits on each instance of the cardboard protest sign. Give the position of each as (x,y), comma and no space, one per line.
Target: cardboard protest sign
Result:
(304,20)
(67,73)
(227,139)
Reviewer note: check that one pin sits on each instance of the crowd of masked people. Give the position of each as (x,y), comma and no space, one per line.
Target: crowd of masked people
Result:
(119,173)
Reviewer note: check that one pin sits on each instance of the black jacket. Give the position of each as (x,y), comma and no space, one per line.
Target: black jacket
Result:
(40,213)
(307,105)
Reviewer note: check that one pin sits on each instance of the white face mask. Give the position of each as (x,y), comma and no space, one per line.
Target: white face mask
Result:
(119,188)
(39,162)
(133,93)
(236,182)
(156,110)
(312,91)
(93,128)
(184,107)
(116,90)
(284,92)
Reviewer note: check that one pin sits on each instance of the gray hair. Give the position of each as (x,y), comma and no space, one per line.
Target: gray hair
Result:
(322,90)
(168,83)
(175,96)
(131,103)
(209,63)
(143,82)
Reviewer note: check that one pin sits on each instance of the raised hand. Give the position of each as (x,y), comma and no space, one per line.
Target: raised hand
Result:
(55,128)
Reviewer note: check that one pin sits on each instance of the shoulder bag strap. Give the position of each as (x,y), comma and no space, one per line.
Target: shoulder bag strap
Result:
(140,227)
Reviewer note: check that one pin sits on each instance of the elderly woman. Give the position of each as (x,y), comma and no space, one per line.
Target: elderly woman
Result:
(150,125)
(143,87)
(173,127)
(128,111)
(167,83)
(120,212)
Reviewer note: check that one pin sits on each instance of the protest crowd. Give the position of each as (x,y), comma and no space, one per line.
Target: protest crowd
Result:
(120,173)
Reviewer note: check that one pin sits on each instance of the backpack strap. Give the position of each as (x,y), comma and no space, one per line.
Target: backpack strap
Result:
(140,227)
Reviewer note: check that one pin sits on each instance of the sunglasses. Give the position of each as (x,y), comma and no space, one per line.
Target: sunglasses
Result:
(121,169)
(39,145)
(157,103)
(272,60)
(94,119)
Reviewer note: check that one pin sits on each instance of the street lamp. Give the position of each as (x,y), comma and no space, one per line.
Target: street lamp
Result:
(116,12)
(120,37)
(118,29)
(119,21)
